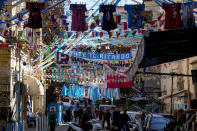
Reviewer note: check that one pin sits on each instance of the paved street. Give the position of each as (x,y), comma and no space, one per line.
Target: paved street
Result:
(63,127)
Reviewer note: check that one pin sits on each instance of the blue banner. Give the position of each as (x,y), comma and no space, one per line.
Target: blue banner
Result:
(63,90)
(101,56)
(64,59)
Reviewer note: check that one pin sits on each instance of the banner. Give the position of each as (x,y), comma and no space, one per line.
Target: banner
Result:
(118,82)
(101,56)
(63,58)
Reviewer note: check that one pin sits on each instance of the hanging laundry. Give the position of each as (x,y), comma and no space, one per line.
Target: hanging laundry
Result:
(35,19)
(134,15)
(188,19)
(78,17)
(108,19)
(1,4)
(172,16)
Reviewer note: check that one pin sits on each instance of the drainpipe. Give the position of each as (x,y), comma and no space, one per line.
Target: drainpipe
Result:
(188,90)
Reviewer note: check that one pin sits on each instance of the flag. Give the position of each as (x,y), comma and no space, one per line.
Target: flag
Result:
(96,18)
(4,45)
(8,15)
(66,27)
(20,33)
(10,45)
(64,22)
(25,24)
(125,25)
(161,22)
(110,34)
(117,34)
(92,26)
(93,34)
(20,16)
(17,45)
(101,34)
(13,33)
(138,31)
(8,24)
(152,22)
(31,46)
(77,34)
(159,17)
(29,34)
(38,46)
(5,33)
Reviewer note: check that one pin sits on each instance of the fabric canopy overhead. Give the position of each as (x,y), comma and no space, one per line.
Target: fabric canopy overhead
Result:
(167,46)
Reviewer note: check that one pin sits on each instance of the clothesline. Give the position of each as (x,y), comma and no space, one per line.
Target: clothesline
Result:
(51,46)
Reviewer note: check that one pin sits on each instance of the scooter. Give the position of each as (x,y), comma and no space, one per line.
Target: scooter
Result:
(75,126)
(130,127)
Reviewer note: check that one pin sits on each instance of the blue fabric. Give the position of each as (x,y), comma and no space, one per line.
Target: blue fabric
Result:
(90,92)
(66,91)
(1,4)
(75,91)
(113,95)
(63,90)
(106,93)
(95,94)
(134,16)
(110,93)
(102,92)
(118,93)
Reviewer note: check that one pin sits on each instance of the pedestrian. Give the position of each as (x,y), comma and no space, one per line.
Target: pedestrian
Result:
(80,112)
(65,116)
(86,104)
(124,118)
(68,113)
(86,116)
(116,118)
(96,113)
(100,114)
(107,117)
(52,119)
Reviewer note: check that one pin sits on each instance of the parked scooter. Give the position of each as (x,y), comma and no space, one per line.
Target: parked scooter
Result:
(75,126)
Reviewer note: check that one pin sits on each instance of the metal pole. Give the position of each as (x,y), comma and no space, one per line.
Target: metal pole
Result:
(172,94)
(19,97)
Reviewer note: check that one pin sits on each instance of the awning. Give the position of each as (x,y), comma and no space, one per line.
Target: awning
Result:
(167,46)
(175,93)
(34,86)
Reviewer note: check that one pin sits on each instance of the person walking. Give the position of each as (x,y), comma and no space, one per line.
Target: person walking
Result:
(68,113)
(86,116)
(100,114)
(107,117)
(124,120)
(80,112)
(116,119)
(52,120)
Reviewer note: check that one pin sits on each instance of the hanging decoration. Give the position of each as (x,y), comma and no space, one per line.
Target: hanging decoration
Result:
(35,19)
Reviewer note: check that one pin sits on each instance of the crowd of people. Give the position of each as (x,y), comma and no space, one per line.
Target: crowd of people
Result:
(109,118)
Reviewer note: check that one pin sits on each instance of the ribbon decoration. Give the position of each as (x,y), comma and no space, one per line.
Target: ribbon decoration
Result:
(59,47)
(76,91)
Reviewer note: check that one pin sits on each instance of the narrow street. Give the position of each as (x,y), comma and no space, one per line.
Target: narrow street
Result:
(63,127)
(99,65)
